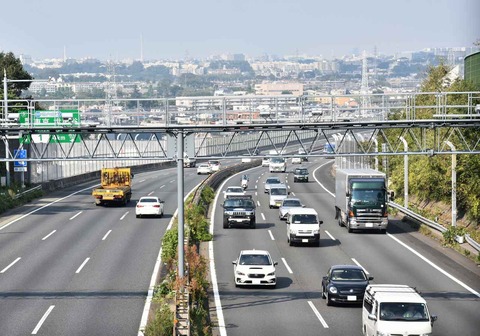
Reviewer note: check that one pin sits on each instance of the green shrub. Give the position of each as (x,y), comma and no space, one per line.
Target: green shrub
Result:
(162,322)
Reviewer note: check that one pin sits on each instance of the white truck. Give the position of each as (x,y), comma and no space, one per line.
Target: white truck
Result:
(395,310)
(361,199)
(189,162)
(303,226)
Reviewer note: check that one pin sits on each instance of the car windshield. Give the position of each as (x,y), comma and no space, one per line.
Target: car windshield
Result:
(235,190)
(254,259)
(304,219)
(148,200)
(277,160)
(291,203)
(400,311)
(302,171)
(214,162)
(272,181)
(240,203)
(348,275)
(278,191)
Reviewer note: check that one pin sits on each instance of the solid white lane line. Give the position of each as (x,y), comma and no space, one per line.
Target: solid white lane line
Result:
(256,187)
(316,312)
(288,186)
(321,185)
(263,216)
(358,264)
(49,234)
(44,317)
(106,235)
(258,203)
(328,233)
(13,263)
(76,215)
(286,266)
(162,186)
(141,181)
(81,266)
(46,205)
(448,275)
(171,181)
(271,235)
(293,194)
(125,214)
(150,193)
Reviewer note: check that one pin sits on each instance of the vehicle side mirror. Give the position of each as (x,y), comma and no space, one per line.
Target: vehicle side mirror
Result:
(234,262)
(392,195)
(320,222)
(275,263)
(434,318)
(221,205)
(303,205)
(372,317)
(370,278)
(288,193)
(162,202)
(287,221)
(347,194)
(325,278)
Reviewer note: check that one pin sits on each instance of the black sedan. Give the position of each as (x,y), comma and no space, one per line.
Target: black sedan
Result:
(344,284)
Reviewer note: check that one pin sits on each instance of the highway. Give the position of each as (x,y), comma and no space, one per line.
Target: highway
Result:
(296,306)
(71,268)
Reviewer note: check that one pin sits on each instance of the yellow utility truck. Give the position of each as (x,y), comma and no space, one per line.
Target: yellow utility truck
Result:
(116,187)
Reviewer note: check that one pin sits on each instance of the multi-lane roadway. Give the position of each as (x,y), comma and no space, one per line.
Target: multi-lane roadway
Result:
(70,268)
(296,307)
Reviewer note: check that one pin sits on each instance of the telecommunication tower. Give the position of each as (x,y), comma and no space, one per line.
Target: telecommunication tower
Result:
(364,87)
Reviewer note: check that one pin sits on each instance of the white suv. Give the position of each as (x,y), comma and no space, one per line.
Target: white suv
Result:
(254,267)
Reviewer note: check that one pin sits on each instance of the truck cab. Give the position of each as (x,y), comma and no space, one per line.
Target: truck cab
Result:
(277,164)
(278,192)
(303,226)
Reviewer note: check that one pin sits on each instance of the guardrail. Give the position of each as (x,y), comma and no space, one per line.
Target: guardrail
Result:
(431,223)
(17,196)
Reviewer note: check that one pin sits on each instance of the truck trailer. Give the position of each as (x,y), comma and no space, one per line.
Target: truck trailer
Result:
(361,199)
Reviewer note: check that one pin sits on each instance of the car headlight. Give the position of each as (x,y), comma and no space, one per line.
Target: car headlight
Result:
(240,273)
(271,274)
(315,231)
(379,333)
(293,231)
(333,290)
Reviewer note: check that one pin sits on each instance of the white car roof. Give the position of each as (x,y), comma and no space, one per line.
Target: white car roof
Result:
(395,293)
(148,197)
(302,211)
(234,187)
(278,185)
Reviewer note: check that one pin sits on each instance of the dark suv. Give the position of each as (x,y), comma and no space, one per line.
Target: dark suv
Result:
(300,174)
(239,210)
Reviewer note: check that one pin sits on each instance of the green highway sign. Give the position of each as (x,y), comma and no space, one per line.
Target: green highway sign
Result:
(54,118)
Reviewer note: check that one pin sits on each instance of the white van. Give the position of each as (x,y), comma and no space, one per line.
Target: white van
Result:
(395,309)
(277,193)
(303,226)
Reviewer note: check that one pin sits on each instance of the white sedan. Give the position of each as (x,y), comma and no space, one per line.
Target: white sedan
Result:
(287,204)
(234,191)
(214,165)
(254,267)
(204,168)
(149,206)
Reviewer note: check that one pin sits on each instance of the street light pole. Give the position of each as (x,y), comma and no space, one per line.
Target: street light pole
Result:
(454,183)
(5,118)
(405,172)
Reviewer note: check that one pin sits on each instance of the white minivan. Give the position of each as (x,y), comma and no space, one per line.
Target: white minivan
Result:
(303,226)
(277,193)
(395,310)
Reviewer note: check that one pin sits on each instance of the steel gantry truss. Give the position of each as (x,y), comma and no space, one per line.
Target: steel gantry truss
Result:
(425,137)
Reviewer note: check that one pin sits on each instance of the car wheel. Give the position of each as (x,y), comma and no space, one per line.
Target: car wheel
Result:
(290,242)
(327,300)
(252,225)
(340,220)
(138,216)
(271,207)
(349,229)
(323,293)
(225,225)
(317,243)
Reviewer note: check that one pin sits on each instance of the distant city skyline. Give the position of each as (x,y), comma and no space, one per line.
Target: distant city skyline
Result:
(198,29)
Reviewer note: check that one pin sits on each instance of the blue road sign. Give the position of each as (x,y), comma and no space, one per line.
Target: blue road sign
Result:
(20,154)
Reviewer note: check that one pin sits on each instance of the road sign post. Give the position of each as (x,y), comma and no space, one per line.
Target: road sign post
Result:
(20,166)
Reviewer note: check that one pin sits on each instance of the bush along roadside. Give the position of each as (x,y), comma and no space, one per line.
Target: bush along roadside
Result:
(8,200)
(197,225)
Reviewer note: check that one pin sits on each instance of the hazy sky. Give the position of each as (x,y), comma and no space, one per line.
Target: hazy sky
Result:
(112,29)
